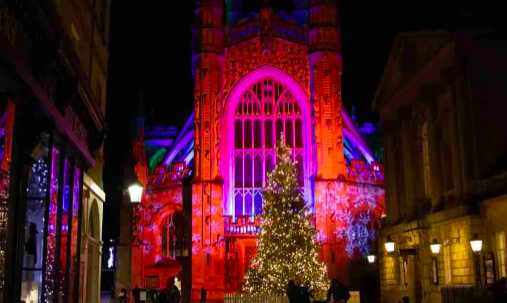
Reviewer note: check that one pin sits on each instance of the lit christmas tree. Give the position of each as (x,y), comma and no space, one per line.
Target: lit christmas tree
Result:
(287,247)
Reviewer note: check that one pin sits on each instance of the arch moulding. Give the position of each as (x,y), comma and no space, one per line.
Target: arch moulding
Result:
(227,126)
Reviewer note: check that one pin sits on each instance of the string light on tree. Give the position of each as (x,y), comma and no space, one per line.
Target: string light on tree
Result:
(287,247)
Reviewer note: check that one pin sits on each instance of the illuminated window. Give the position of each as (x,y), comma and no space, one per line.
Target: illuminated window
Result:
(500,253)
(426,162)
(266,110)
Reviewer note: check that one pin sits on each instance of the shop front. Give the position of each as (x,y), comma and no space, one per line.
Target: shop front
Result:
(49,128)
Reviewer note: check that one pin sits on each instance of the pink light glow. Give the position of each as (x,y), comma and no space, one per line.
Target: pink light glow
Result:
(235,97)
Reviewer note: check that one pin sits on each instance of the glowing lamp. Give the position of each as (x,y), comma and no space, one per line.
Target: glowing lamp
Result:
(389,245)
(476,244)
(371,258)
(136,192)
(435,247)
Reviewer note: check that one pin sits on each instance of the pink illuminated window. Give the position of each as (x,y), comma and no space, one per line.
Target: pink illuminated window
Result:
(266,110)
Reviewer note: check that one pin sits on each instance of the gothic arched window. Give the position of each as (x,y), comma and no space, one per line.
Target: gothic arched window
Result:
(266,109)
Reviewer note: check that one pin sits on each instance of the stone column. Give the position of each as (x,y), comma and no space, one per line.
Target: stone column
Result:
(408,167)
(466,132)
(393,211)
(434,157)
(456,155)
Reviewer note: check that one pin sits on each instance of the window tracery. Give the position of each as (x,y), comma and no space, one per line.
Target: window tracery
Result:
(266,110)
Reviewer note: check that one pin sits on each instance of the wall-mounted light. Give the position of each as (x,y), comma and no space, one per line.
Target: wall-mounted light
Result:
(136,192)
(371,258)
(389,245)
(435,247)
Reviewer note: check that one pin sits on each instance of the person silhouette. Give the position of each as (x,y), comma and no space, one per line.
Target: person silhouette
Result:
(305,295)
(338,292)
(203,295)
(292,292)
(136,293)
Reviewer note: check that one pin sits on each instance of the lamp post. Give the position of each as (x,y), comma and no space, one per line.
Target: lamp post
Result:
(476,245)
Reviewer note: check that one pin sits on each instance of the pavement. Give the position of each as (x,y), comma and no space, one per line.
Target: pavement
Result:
(105,298)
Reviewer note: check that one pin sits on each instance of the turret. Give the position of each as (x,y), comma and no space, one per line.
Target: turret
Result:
(300,10)
(208,29)
(233,11)
(324,33)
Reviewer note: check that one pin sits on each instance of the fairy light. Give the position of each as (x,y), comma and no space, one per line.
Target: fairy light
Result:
(287,246)
(51,235)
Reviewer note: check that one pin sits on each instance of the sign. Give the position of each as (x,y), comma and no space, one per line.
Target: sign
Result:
(489,268)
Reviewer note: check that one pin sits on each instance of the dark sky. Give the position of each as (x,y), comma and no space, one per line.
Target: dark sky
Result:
(150,51)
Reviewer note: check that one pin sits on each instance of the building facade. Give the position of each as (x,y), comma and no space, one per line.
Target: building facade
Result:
(258,74)
(53,71)
(441,102)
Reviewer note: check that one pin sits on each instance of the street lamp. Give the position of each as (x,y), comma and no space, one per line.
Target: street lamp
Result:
(476,244)
(371,258)
(389,245)
(136,191)
(435,247)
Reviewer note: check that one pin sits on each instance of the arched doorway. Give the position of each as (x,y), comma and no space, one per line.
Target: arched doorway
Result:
(93,260)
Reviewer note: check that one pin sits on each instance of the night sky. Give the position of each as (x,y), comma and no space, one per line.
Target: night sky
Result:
(151,52)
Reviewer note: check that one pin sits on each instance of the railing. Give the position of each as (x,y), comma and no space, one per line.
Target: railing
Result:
(274,298)
(255,298)
(464,294)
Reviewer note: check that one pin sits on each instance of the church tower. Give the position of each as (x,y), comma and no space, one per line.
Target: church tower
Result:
(326,70)
(260,71)
(207,198)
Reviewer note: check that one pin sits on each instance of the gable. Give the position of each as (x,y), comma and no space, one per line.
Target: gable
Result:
(410,52)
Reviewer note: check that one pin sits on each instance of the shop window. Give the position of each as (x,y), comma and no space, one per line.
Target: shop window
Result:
(6,127)
(74,230)
(35,230)
(65,220)
(50,255)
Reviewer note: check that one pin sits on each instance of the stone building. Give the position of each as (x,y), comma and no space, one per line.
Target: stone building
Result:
(441,102)
(53,76)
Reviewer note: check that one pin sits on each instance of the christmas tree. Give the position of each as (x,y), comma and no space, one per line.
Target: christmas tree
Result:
(287,247)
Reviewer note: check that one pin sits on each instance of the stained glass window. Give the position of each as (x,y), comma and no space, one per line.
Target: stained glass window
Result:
(266,110)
